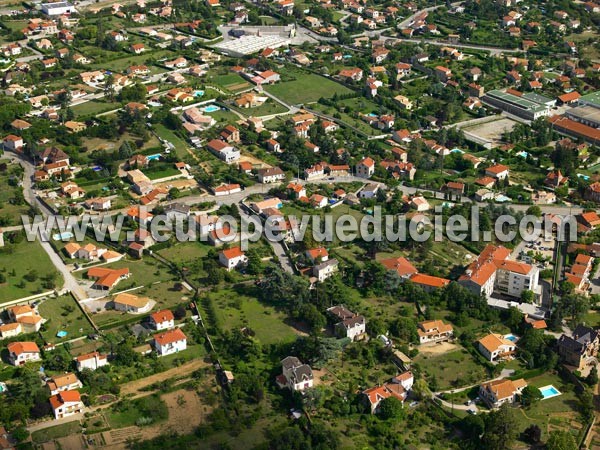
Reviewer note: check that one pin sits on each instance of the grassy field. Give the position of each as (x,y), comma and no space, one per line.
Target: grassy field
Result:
(231,82)
(306,88)
(93,107)
(128,413)
(236,311)
(20,259)
(454,368)
(59,431)
(64,314)
(10,213)
(266,109)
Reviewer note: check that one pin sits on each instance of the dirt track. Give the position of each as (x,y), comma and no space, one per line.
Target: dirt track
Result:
(134,387)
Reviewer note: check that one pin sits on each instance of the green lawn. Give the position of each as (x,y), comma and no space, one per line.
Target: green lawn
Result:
(266,109)
(180,145)
(93,107)
(307,88)
(237,311)
(17,260)
(455,368)
(63,313)
(59,431)
(163,172)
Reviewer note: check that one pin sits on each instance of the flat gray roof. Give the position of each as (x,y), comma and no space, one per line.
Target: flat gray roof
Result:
(589,113)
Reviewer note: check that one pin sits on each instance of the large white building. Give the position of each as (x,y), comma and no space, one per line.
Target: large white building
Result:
(58,8)
(492,271)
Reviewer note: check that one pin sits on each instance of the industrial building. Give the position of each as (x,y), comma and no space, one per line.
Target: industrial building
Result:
(249,44)
(529,107)
(587,115)
(58,8)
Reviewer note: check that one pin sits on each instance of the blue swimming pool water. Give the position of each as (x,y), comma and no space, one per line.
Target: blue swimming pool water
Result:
(97,168)
(549,391)
(456,150)
(523,154)
(61,334)
(211,108)
(511,338)
(154,157)
(347,56)
(372,115)
(585,177)
(62,236)
(502,198)
(198,93)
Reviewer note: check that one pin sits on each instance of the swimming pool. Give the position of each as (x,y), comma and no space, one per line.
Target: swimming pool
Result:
(65,235)
(97,168)
(3,388)
(502,198)
(585,177)
(523,154)
(511,337)
(549,392)
(456,150)
(154,157)
(211,108)
(198,93)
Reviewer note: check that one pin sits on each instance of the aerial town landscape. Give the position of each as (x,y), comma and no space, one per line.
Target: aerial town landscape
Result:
(250,129)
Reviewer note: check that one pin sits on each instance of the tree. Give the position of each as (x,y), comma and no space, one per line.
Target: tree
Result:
(530,395)
(533,434)
(500,429)
(255,265)
(125,150)
(534,210)
(527,296)
(561,440)
(390,408)
(592,378)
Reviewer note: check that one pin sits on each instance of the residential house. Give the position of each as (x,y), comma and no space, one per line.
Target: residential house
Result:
(162,320)
(365,168)
(325,269)
(170,342)
(348,324)
(434,331)
(91,361)
(296,376)
(270,175)
(64,382)
(498,171)
(579,350)
(496,347)
(401,266)
(232,258)
(20,353)
(497,392)
(130,303)
(66,403)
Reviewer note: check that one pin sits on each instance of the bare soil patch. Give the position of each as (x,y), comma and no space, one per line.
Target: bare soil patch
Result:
(437,349)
